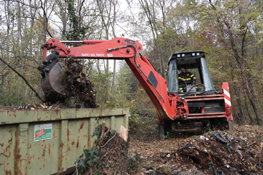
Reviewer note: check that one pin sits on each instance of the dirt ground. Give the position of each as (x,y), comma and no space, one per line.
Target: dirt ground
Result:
(214,152)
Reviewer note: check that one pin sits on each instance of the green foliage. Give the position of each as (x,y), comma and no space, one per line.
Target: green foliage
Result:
(167,135)
(134,123)
(15,92)
(89,158)
(101,86)
(142,120)
(112,132)
(92,157)
(80,164)
(97,131)
(77,32)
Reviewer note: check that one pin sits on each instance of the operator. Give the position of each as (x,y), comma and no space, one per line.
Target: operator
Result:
(186,77)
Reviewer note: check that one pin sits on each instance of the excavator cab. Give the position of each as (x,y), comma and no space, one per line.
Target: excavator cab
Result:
(195,63)
(206,106)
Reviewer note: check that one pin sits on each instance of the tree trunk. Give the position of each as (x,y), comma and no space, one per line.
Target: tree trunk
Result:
(151,17)
(106,24)
(251,96)
(237,94)
(244,74)
(113,31)
(239,104)
(248,113)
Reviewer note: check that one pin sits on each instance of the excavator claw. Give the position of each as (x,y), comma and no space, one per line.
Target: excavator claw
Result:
(52,70)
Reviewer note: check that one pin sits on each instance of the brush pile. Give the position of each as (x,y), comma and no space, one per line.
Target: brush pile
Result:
(108,156)
(216,152)
(77,85)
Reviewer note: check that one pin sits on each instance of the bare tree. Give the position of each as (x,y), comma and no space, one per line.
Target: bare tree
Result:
(107,13)
(150,8)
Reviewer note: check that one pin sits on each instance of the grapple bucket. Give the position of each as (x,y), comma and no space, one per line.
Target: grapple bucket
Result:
(52,71)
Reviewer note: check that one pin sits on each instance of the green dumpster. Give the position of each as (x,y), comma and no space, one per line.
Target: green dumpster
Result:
(49,141)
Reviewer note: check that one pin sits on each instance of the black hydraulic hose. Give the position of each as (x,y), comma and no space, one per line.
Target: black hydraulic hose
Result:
(134,53)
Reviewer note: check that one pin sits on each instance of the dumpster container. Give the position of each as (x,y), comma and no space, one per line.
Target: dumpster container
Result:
(49,141)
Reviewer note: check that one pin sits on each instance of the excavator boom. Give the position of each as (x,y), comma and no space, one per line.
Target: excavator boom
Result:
(118,48)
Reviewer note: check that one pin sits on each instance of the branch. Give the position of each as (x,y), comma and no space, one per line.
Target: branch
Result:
(45,16)
(22,78)
(31,6)
(212,5)
(80,17)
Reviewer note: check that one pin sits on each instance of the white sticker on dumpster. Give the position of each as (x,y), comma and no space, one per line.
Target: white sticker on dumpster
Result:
(42,132)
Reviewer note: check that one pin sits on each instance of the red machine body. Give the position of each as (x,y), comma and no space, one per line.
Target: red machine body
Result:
(170,106)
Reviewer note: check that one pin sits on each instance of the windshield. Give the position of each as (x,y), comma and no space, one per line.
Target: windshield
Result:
(172,77)
(200,71)
(206,76)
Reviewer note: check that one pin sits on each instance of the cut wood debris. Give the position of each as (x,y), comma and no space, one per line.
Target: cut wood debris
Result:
(37,107)
(77,84)
(215,152)
(108,156)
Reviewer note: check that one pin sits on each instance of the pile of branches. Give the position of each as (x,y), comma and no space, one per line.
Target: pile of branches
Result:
(36,107)
(77,85)
(217,153)
(108,156)
(225,153)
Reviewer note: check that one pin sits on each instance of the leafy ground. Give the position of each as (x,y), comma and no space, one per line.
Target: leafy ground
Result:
(214,152)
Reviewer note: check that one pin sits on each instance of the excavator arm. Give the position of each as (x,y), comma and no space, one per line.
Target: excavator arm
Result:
(168,107)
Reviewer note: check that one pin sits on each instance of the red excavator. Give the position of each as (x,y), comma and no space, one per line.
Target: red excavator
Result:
(176,102)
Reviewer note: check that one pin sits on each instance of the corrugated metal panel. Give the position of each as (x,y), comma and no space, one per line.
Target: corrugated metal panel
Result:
(67,132)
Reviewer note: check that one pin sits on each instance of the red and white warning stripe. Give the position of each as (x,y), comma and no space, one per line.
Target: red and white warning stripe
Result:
(226,93)
(227,97)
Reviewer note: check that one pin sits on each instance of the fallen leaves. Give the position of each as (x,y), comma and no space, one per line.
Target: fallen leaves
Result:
(240,152)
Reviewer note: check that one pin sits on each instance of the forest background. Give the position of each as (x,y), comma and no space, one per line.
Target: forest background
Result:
(229,32)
